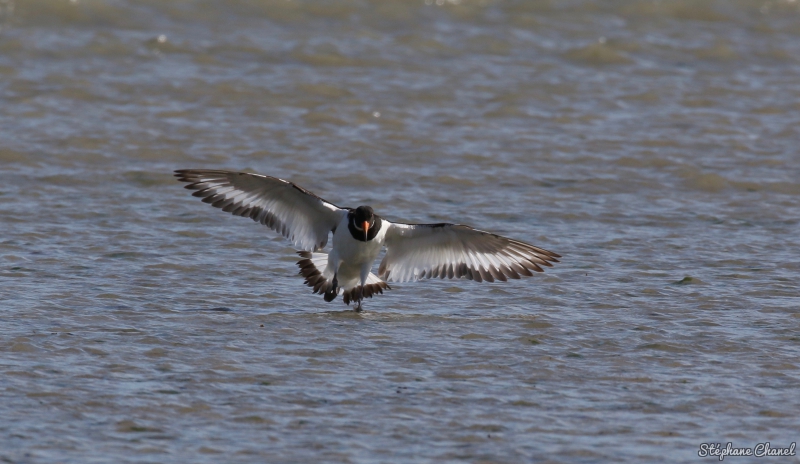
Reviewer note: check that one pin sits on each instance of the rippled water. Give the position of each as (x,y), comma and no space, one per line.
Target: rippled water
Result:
(654,144)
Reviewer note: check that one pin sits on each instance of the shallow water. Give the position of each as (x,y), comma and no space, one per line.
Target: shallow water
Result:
(652,144)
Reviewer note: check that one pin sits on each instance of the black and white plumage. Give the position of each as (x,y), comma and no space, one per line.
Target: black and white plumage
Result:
(413,251)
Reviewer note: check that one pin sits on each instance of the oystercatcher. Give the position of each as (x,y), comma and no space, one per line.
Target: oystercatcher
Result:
(413,251)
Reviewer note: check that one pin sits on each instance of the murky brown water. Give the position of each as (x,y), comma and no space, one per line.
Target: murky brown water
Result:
(653,144)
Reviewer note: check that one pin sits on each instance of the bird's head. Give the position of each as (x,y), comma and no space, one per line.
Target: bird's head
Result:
(363,219)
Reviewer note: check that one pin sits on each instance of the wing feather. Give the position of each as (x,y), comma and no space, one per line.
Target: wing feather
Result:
(284,207)
(419,251)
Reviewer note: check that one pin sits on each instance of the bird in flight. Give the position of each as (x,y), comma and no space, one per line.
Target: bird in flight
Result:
(413,251)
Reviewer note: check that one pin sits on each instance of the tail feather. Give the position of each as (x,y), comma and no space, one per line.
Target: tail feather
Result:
(369,290)
(313,266)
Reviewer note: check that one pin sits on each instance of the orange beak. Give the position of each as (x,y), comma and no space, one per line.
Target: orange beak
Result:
(365,226)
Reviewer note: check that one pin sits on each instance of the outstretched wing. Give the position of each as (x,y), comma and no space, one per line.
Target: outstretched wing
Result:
(284,207)
(418,251)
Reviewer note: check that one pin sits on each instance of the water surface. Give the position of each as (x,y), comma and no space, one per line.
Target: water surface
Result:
(652,144)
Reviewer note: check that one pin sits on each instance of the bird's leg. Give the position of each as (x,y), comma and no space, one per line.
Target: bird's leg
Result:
(330,295)
(364,274)
(333,264)
(360,298)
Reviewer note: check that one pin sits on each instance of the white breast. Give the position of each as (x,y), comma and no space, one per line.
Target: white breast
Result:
(354,258)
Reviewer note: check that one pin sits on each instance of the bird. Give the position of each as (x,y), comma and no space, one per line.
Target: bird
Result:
(413,251)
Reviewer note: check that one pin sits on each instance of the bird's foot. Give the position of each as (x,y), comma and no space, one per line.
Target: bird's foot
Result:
(359,299)
(330,295)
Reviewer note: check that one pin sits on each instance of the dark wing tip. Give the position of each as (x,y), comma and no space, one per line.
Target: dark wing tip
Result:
(553,255)
(188,175)
(187,172)
(202,172)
